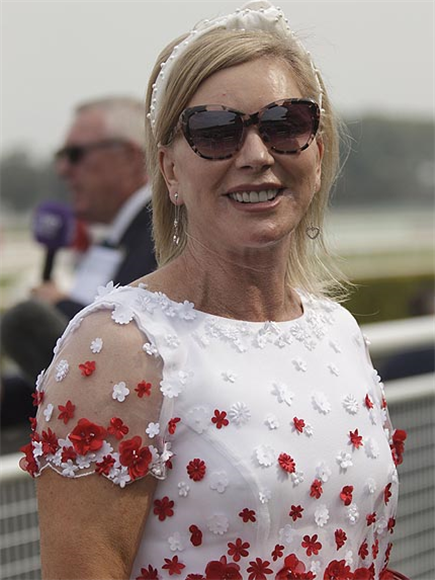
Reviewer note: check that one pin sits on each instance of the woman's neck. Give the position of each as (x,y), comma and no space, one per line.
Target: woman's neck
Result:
(232,286)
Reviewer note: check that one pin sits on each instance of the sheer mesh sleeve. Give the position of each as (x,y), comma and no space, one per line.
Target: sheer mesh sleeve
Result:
(100,406)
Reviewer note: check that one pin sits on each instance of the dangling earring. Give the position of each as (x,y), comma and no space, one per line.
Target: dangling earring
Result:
(312,232)
(176,236)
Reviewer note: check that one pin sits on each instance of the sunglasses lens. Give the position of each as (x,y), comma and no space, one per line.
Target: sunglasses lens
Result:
(289,127)
(214,134)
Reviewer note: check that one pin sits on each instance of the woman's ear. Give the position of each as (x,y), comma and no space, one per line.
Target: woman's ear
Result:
(168,170)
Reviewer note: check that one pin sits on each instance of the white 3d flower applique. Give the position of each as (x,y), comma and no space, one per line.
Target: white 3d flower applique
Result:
(283,393)
(175,542)
(229,376)
(320,402)
(351,404)
(170,389)
(186,311)
(265,454)
(321,515)
(239,414)
(348,558)
(172,340)
(371,486)
(352,513)
(152,430)
(96,345)
(198,418)
(218,524)
(122,314)
(120,392)
(371,447)
(183,489)
(62,369)
(308,430)
(297,477)
(286,535)
(218,481)
(272,421)
(264,495)
(323,472)
(344,460)
(48,412)
(300,365)
(150,348)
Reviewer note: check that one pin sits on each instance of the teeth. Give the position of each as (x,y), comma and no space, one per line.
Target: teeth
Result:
(254,196)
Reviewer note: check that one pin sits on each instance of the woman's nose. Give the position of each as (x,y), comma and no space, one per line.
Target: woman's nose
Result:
(254,152)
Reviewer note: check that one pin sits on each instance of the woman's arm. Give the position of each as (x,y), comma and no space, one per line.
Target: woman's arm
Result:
(90,528)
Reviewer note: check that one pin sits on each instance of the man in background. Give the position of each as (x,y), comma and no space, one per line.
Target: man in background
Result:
(102,161)
(103,164)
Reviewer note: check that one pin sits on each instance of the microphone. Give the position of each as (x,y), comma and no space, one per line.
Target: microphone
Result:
(54,228)
(28,332)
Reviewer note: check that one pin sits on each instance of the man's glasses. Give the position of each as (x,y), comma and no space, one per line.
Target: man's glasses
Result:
(74,154)
(217,132)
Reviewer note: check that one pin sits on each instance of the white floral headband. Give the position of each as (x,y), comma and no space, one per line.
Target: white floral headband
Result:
(255,15)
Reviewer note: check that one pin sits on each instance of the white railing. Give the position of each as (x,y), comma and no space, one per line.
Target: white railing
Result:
(411,403)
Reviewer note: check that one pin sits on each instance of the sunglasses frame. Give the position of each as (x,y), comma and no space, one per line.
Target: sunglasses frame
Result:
(76,153)
(248,120)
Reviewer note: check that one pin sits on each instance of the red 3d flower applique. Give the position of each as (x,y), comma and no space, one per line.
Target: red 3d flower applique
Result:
(316,489)
(143,388)
(218,569)
(220,419)
(296,512)
(68,453)
(117,428)
(391,524)
(337,571)
(33,423)
(195,577)
(398,445)
(375,549)
(28,462)
(287,463)
(87,436)
(363,551)
(387,493)
(66,411)
(87,368)
(355,439)
(368,402)
(258,569)
(346,494)
(294,568)
(371,518)
(172,425)
(49,442)
(299,424)
(311,545)
(149,573)
(38,397)
(362,574)
(135,457)
(196,469)
(196,535)
(239,549)
(163,508)
(247,515)
(103,467)
(277,552)
(340,538)
(173,566)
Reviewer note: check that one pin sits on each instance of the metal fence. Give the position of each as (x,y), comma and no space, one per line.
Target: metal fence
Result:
(411,404)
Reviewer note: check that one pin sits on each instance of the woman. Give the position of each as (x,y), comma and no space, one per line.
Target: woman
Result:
(232,405)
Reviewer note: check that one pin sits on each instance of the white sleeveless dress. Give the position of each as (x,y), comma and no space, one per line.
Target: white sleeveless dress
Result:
(271,440)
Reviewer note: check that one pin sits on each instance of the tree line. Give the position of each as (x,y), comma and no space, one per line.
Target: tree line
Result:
(389,161)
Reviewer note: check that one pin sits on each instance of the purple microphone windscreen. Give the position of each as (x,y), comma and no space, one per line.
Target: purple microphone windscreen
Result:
(54,225)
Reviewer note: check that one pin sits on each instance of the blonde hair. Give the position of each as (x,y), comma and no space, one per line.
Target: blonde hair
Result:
(124,116)
(309,267)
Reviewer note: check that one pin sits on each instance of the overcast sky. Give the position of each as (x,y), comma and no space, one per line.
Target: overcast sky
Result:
(375,56)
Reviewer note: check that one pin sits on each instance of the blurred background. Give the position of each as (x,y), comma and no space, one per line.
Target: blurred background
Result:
(378,62)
